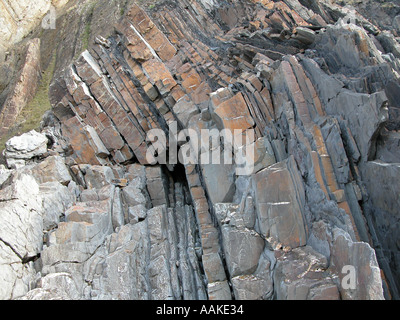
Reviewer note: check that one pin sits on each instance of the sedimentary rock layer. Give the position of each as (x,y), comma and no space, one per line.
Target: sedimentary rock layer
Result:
(317,95)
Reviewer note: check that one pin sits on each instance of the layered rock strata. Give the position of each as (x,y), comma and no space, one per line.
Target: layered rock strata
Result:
(318,95)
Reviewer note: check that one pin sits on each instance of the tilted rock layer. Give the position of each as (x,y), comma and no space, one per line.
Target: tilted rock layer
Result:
(91,218)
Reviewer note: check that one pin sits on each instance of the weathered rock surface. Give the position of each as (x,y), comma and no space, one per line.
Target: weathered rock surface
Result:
(24,148)
(317,94)
(24,88)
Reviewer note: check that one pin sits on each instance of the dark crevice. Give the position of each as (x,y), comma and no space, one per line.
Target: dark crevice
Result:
(24,259)
(217,226)
(12,249)
(183,198)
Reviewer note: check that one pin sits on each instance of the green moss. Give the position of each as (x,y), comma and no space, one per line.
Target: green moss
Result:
(388,5)
(150,4)
(31,116)
(85,36)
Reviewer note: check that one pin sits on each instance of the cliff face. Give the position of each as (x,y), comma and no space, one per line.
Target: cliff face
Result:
(19,17)
(23,70)
(86,214)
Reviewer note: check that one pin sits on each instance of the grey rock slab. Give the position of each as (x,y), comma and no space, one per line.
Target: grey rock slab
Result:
(280,200)
(25,147)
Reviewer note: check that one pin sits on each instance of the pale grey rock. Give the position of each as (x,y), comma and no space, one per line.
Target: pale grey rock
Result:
(137,213)
(57,198)
(301,275)
(121,272)
(213,267)
(97,177)
(360,256)
(280,199)
(21,234)
(281,233)
(117,209)
(25,147)
(16,279)
(50,169)
(89,195)
(250,287)
(134,194)
(57,256)
(21,209)
(220,182)
(4,174)
(219,291)
(242,250)
(55,286)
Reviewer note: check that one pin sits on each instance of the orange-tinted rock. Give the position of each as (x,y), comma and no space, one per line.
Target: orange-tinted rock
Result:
(233,114)
(83,148)
(318,173)
(25,88)
(296,94)
(159,75)
(149,31)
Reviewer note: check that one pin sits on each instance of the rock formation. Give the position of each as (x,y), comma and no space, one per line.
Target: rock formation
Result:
(19,17)
(85,215)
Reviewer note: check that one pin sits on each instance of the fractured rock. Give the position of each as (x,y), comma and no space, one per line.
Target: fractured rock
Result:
(279,202)
(25,147)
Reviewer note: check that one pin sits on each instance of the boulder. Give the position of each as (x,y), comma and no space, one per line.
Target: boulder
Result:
(361,258)
(301,275)
(55,286)
(242,250)
(52,169)
(137,213)
(21,234)
(233,114)
(25,147)
(305,35)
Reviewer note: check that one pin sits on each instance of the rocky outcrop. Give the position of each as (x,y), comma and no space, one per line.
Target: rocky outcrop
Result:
(314,94)
(64,32)
(18,18)
(24,89)
(24,148)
